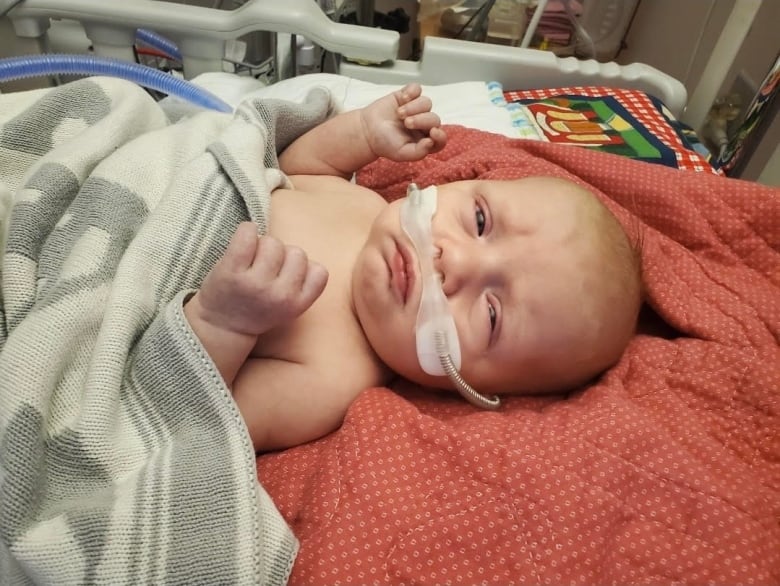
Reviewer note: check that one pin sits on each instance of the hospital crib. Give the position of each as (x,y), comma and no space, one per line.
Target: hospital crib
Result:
(201,34)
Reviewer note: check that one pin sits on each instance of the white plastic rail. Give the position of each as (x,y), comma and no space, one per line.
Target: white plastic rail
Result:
(200,32)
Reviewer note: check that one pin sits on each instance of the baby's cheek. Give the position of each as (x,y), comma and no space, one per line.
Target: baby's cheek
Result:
(396,348)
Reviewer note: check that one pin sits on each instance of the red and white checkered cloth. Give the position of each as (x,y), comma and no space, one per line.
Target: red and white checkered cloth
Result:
(639,105)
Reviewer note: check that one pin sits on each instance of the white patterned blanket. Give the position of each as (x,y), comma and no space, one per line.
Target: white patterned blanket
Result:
(122,456)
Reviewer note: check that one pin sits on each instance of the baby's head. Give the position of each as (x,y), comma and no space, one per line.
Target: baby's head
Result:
(541,279)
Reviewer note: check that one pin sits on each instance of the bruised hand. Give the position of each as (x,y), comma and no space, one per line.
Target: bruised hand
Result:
(259,283)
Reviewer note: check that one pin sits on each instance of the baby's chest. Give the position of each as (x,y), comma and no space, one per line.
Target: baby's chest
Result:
(327,340)
(331,226)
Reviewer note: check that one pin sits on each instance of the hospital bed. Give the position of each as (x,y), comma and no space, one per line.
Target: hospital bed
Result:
(663,470)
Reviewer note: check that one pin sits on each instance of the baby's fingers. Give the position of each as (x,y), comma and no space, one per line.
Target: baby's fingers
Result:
(240,252)
(419,105)
(314,284)
(302,280)
(269,257)
(409,92)
(434,142)
(423,122)
(439,138)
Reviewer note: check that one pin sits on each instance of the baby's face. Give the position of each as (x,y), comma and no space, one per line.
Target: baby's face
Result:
(519,266)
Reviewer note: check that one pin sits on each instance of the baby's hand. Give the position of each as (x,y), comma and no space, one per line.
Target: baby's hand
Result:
(259,283)
(401,126)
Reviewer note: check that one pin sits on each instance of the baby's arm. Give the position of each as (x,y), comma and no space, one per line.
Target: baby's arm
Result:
(399,126)
(258,284)
(285,403)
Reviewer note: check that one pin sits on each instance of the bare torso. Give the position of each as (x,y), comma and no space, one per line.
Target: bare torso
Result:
(329,218)
(300,376)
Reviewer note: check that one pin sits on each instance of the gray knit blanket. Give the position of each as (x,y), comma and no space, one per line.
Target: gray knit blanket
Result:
(123,459)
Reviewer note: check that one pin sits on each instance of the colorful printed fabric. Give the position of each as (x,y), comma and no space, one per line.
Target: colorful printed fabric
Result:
(624,122)
(757,115)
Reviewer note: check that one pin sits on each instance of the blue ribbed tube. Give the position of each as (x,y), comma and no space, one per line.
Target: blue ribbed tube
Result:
(37,65)
(159,42)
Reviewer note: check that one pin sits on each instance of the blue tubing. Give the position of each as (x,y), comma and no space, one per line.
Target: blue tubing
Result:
(159,42)
(38,65)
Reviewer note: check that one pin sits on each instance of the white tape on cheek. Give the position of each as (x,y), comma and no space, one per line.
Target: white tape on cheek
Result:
(433,315)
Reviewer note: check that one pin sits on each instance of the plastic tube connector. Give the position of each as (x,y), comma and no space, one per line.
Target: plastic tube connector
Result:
(159,42)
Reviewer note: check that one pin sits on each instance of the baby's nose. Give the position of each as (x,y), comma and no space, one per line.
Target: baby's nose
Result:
(456,266)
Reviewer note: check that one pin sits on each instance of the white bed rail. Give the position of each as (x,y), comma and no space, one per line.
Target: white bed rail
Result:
(201,32)
(448,60)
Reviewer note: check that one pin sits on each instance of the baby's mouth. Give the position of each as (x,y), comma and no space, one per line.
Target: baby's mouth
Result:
(403,272)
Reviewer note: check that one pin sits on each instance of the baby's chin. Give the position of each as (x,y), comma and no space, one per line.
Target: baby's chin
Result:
(551,379)
(445,384)
(539,375)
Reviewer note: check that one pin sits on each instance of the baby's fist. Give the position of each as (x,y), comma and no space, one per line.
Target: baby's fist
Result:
(260,283)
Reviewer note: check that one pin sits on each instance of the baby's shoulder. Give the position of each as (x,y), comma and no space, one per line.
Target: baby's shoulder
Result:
(334,186)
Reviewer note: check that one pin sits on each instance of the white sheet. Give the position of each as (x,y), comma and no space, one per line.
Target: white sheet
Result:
(475,104)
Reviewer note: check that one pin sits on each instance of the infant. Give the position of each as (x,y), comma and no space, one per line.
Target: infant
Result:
(541,280)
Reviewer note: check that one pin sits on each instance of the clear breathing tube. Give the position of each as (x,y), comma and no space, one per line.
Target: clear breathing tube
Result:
(438,347)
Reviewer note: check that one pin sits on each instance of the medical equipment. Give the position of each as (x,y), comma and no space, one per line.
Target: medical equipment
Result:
(201,33)
(159,42)
(36,65)
(438,347)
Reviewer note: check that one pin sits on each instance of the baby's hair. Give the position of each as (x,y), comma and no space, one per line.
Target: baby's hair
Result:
(624,249)
(614,241)
(618,255)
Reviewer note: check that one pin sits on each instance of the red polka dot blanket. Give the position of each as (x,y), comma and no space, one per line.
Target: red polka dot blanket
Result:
(666,470)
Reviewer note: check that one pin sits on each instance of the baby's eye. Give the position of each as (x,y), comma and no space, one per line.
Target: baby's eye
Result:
(492,314)
(480,216)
